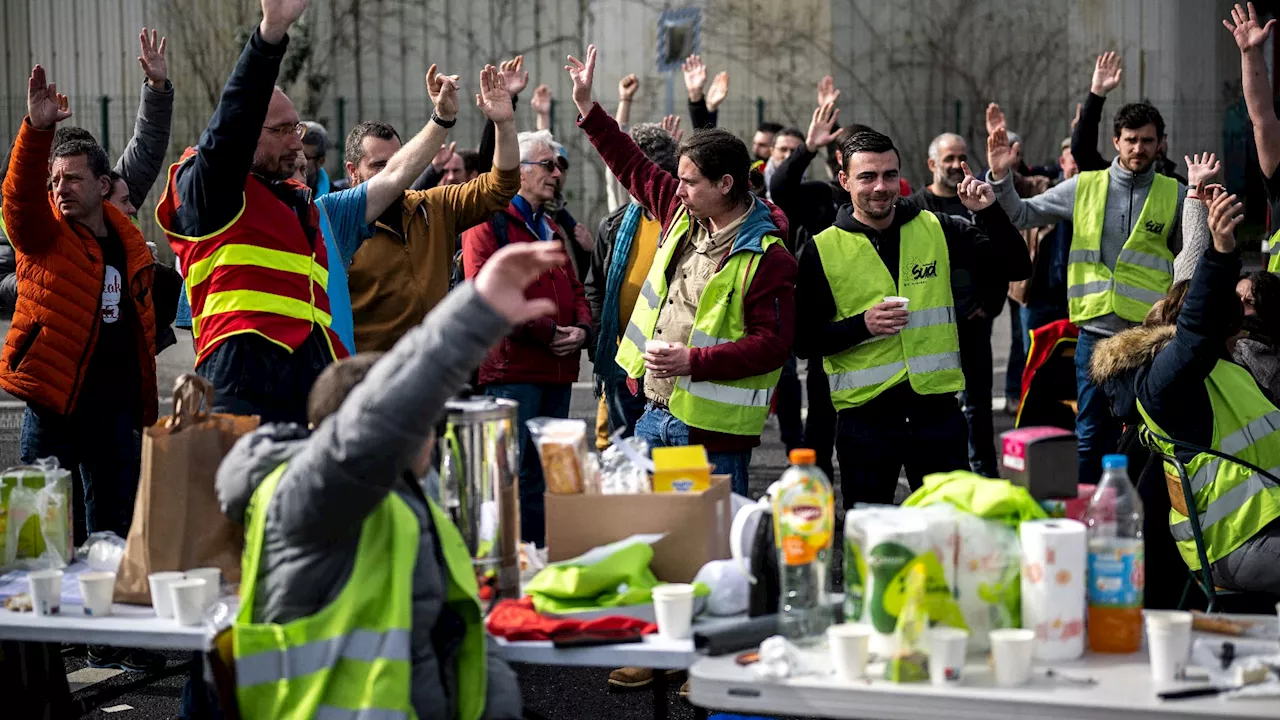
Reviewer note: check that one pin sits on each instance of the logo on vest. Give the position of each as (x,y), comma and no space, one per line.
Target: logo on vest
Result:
(921,270)
(1154,227)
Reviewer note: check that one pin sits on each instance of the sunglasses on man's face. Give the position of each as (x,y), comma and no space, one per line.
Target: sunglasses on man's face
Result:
(548,165)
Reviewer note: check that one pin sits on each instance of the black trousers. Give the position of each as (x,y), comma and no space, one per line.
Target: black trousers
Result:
(788,408)
(925,433)
(820,425)
(976,362)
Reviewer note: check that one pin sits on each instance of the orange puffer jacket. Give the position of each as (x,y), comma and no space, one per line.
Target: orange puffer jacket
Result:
(60,275)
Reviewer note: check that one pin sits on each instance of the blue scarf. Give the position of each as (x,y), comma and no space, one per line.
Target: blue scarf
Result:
(607,342)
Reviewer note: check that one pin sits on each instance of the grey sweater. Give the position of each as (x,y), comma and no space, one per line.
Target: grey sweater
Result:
(1126,194)
(341,472)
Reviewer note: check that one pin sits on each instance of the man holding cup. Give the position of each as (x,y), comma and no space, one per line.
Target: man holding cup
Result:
(876,299)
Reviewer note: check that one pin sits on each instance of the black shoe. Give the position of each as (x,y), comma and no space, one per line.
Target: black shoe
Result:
(128,659)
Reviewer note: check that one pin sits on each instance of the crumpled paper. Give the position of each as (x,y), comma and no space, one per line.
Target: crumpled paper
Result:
(780,659)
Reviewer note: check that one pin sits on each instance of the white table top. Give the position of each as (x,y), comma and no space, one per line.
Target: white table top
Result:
(1123,692)
(127,626)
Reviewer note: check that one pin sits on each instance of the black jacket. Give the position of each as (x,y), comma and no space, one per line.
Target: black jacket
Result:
(811,206)
(598,274)
(992,242)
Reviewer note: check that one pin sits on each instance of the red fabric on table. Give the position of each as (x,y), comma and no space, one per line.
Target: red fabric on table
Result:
(517,621)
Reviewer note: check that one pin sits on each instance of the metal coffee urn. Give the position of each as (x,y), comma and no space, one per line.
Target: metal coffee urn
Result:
(479,488)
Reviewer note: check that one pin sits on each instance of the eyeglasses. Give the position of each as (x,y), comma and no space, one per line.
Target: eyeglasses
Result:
(548,165)
(298,129)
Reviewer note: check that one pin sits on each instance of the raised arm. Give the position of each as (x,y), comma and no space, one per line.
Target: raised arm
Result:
(628,86)
(28,218)
(143,158)
(1195,214)
(475,201)
(1084,134)
(1050,207)
(1251,38)
(410,160)
(998,249)
(541,106)
(650,185)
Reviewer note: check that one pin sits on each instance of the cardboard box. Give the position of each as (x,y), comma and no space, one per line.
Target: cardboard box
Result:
(697,526)
(681,469)
(1042,460)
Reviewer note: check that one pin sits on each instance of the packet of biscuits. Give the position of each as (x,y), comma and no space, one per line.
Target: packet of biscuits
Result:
(562,446)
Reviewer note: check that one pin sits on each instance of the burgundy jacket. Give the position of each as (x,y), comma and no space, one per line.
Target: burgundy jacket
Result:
(524,356)
(769,303)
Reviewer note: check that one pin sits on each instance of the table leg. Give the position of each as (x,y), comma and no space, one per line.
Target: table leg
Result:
(660,709)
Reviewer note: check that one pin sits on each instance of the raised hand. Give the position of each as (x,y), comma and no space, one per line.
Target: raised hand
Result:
(995,118)
(974,194)
(1224,215)
(820,127)
(541,102)
(583,75)
(695,76)
(671,124)
(278,16)
(827,92)
(1201,168)
(152,59)
(1248,34)
(582,236)
(46,106)
(513,76)
(494,98)
(628,87)
(503,279)
(1000,155)
(718,91)
(1106,74)
(444,155)
(443,90)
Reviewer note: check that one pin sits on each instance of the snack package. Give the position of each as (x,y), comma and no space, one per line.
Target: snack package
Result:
(562,445)
(35,517)
(621,468)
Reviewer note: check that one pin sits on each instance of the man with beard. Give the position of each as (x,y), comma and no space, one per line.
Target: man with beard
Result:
(894,367)
(947,154)
(1125,238)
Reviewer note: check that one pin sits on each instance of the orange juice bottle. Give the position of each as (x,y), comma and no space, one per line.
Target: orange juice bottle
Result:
(1116,580)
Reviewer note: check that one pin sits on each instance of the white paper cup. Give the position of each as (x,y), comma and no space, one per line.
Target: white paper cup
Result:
(212,576)
(46,591)
(906,302)
(652,345)
(848,644)
(947,647)
(673,607)
(188,597)
(1168,644)
(97,590)
(161,600)
(1011,651)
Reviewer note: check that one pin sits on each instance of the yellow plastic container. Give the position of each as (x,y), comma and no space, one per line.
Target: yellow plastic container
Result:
(681,469)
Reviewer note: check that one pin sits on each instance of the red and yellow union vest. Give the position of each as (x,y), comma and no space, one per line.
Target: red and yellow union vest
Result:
(258,274)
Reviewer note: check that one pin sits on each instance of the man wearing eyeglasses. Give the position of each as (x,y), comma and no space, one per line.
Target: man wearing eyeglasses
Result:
(264,294)
(537,364)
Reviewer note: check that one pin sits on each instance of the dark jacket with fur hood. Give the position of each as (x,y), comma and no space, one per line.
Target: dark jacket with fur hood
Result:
(1165,367)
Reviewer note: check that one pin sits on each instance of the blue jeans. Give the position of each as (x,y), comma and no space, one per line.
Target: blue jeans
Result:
(624,407)
(101,446)
(536,400)
(660,428)
(1017,352)
(1097,430)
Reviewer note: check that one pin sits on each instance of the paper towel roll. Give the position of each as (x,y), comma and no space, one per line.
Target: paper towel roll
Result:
(1053,586)
(885,543)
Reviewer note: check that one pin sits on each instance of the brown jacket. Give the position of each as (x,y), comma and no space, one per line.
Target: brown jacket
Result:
(397,277)
(1030,186)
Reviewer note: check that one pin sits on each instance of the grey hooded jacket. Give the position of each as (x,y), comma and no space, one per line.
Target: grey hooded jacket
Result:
(1126,194)
(344,469)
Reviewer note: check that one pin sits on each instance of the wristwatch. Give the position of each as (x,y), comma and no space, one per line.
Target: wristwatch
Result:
(442,122)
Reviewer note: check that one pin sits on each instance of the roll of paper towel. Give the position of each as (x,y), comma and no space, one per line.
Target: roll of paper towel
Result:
(1053,586)
(881,545)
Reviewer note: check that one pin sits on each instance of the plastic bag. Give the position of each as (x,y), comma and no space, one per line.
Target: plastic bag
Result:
(910,661)
(102,551)
(730,591)
(35,514)
(619,472)
(562,447)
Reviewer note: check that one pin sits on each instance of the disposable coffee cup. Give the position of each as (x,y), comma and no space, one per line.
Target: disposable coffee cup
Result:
(1168,644)
(898,299)
(213,577)
(161,600)
(652,346)
(97,590)
(947,647)
(1011,651)
(46,591)
(188,598)
(848,643)
(673,607)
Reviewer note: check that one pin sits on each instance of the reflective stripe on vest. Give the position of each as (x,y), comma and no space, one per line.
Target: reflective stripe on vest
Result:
(1233,503)
(926,352)
(735,407)
(1273,249)
(1143,270)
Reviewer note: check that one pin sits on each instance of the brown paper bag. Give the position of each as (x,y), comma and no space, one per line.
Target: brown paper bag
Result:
(177,522)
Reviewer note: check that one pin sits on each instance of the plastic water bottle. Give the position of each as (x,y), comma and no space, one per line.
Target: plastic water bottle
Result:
(803,520)
(1116,580)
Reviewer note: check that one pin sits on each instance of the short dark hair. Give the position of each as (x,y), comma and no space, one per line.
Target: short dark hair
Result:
(336,383)
(657,145)
(769,127)
(99,165)
(867,141)
(470,161)
(718,152)
(368,128)
(1138,115)
(316,136)
(115,178)
(790,132)
(67,133)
